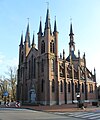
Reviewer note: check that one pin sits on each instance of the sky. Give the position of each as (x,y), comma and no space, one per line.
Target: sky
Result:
(86,27)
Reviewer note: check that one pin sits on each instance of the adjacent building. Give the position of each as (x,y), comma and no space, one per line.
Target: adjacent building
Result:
(46,78)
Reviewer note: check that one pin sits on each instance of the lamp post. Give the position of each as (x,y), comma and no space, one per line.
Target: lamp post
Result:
(78,98)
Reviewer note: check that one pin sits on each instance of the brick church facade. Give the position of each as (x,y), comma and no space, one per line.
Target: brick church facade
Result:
(45,78)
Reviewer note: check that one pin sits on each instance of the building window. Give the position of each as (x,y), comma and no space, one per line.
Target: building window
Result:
(91,88)
(34,74)
(61,86)
(52,47)
(76,88)
(29,69)
(52,65)
(22,57)
(42,47)
(32,67)
(42,85)
(42,66)
(68,86)
(53,85)
(82,88)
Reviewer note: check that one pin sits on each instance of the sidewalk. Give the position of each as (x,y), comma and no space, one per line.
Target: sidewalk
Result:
(55,108)
(61,108)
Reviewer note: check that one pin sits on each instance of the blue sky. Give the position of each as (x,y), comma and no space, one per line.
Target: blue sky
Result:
(86,26)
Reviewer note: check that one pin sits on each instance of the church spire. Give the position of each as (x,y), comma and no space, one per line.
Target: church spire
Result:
(55,25)
(27,37)
(47,23)
(71,30)
(21,43)
(63,54)
(33,41)
(40,27)
(94,75)
(71,43)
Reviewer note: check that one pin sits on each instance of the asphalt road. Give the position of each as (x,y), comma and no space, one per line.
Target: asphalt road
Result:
(24,114)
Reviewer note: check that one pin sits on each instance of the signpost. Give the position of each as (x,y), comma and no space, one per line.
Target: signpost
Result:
(5,94)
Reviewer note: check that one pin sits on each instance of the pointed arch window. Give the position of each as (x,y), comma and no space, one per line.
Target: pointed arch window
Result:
(42,66)
(91,88)
(61,86)
(53,85)
(29,69)
(52,48)
(82,88)
(52,65)
(42,47)
(42,85)
(32,67)
(68,86)
(22,57)
(76,87)
(34,73)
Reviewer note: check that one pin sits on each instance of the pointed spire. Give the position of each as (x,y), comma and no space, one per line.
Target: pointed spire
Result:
(47,23)
(71,43)
(60,56)
(94,75)
(21,43)
(33,41)
(71,30)
(27,37)
(79,53)
(55,25)
(84,56)
(40,28)
(94,71)
(28,26)
(63,54)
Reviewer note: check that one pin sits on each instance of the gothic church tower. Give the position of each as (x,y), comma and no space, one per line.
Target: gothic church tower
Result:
(48,62)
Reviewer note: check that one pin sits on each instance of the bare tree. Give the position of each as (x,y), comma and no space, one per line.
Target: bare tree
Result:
(4,85)
(12,78)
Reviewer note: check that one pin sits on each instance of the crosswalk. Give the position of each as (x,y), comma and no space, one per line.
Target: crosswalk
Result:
(81,115)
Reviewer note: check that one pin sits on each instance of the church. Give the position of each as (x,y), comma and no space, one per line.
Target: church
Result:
(46,78)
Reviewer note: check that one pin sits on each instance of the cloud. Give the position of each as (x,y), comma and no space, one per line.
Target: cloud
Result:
(12,62)
(5,63)
(2,57)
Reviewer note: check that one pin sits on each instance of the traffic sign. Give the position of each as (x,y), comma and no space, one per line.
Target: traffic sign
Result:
(7,104)
(17,104)
(5,93)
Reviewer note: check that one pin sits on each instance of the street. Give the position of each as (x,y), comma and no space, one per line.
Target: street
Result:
(24,114)
(81,115)
(27,114)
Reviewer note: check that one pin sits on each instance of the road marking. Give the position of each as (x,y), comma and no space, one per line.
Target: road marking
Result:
(80,115)
(98,116)
(90,115)
(83,115)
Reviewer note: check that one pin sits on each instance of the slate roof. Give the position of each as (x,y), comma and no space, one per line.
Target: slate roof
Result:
(73,56)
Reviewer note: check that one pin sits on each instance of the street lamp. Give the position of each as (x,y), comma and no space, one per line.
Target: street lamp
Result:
(78,98)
